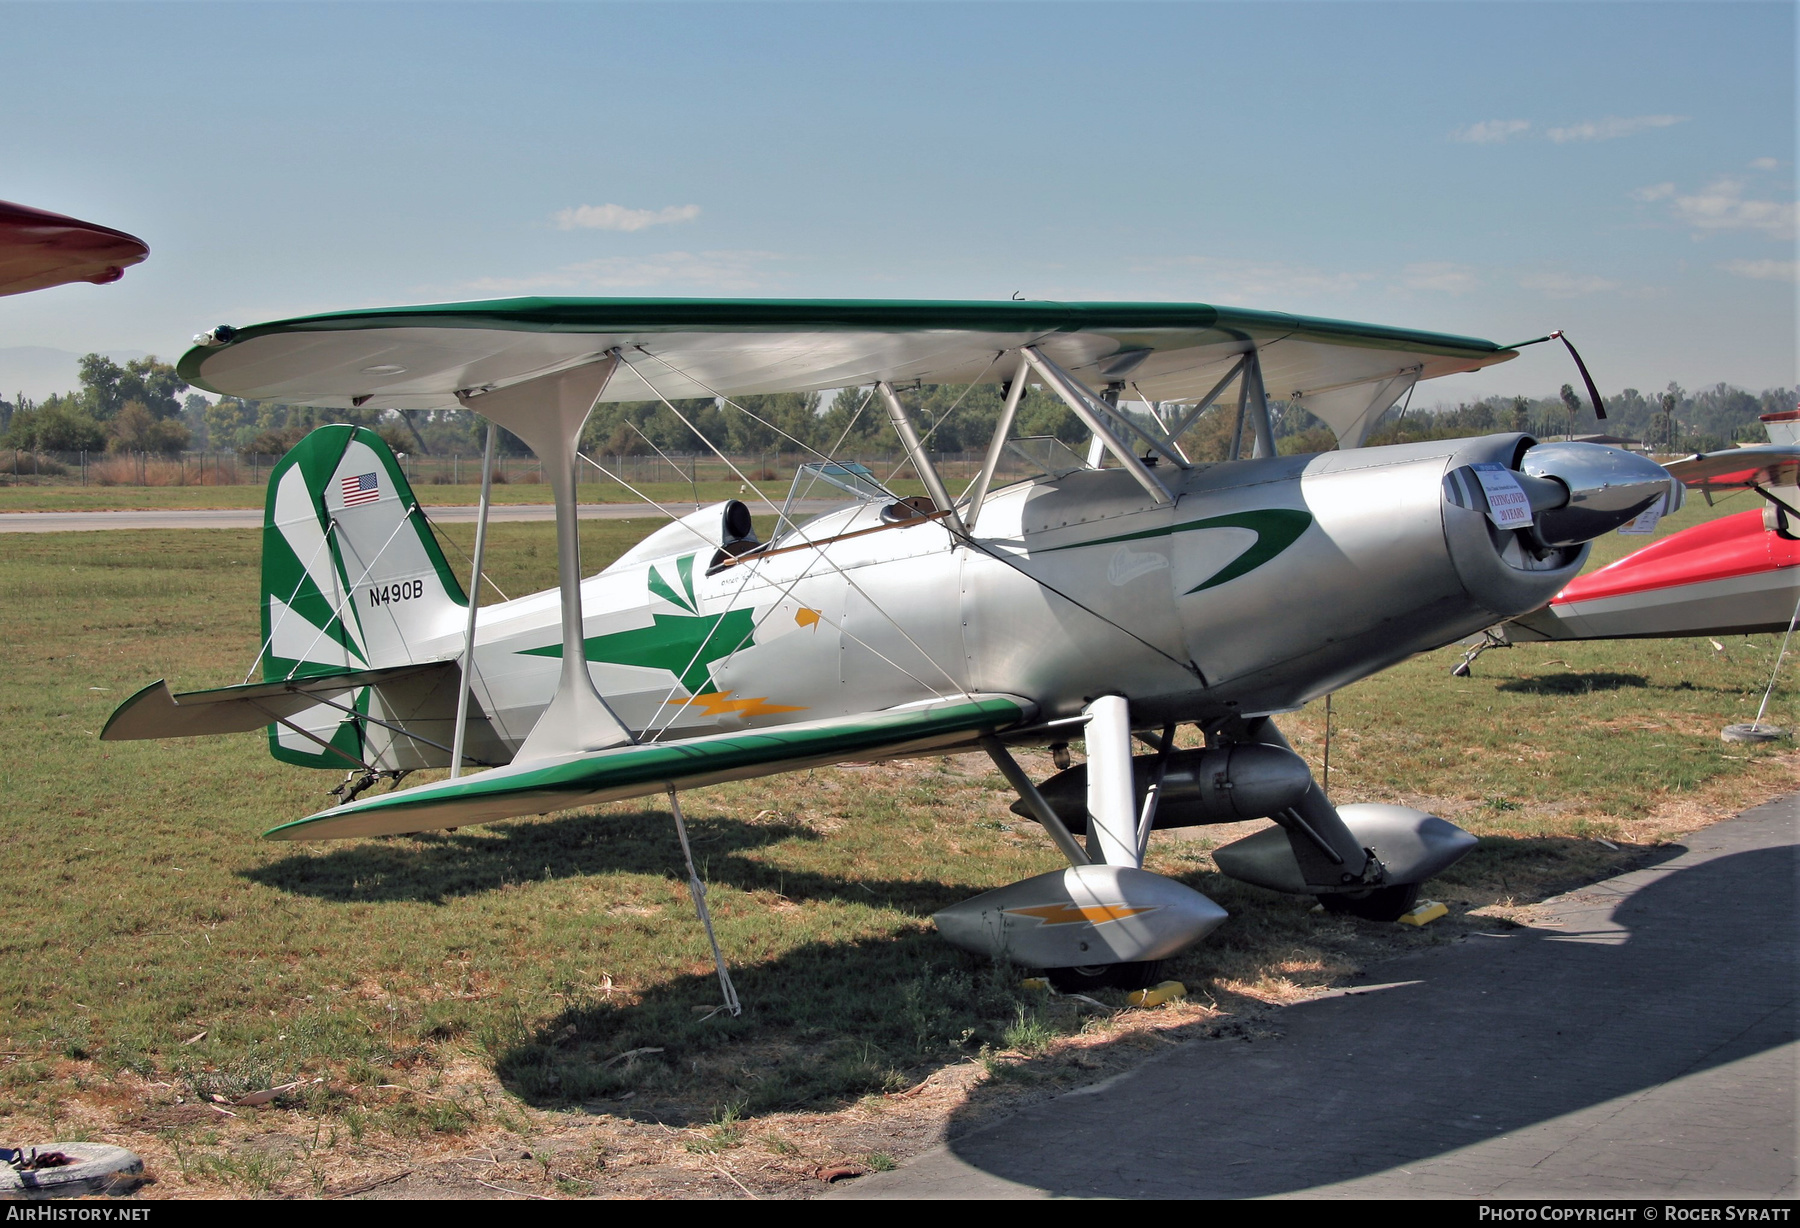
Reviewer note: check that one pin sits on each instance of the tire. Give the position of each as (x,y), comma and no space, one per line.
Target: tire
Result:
(1104,976)
(1379,904)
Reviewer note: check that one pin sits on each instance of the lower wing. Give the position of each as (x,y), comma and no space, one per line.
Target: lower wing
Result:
(633,771)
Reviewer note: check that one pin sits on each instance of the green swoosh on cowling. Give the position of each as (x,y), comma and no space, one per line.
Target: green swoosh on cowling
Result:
(1276,529)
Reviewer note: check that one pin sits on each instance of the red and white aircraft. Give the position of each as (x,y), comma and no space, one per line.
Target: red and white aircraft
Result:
(40,249)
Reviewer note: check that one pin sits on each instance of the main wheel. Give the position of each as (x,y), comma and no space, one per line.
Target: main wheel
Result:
(1378,904)
(1082,978)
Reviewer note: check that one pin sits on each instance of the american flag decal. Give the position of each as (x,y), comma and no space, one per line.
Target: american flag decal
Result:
(364,488)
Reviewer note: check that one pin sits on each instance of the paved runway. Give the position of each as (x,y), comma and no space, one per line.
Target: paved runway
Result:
(1640,1043)
(252,518)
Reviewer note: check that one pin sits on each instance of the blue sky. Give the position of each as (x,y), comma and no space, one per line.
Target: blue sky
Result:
(1624,171)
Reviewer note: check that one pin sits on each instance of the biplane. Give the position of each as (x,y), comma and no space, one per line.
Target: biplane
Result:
(1111,597)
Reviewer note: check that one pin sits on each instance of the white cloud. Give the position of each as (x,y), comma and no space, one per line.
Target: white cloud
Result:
(618,217)
(1566,285)
(1764,270)
(1656,191)
(1764,164)
(1723,206)
(712,271)
(1613,127)
(1491,131)
(1439,275)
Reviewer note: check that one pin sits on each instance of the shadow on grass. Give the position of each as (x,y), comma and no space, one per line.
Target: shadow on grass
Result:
(822,1025)
(435,867)
(1574,684)
(828,1022)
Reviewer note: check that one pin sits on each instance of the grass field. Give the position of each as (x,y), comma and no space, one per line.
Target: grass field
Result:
(546,979)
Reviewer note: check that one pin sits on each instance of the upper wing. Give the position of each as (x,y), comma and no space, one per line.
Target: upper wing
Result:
(541,786)
(1765,464)
(39,249)
(419,357)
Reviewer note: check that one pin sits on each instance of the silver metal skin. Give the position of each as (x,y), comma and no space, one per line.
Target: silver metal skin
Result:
(1263,585)
(1411,844)
(1603,484)
(1085,915)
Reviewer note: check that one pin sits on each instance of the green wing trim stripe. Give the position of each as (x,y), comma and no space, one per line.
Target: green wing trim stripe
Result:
(577,315)
(632,771)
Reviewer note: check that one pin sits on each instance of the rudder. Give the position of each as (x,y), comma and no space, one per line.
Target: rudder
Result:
(352,578)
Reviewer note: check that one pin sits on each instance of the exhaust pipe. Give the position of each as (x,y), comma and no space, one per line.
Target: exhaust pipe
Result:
(1224,784)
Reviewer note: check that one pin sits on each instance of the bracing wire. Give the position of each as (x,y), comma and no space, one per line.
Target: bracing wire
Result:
(305,572)
(337,612)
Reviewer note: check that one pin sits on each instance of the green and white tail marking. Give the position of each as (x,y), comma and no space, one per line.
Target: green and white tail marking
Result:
(352,579)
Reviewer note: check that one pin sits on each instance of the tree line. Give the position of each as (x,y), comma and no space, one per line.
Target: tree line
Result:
(143,406)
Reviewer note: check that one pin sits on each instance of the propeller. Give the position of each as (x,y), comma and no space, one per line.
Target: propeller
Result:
(1586,379)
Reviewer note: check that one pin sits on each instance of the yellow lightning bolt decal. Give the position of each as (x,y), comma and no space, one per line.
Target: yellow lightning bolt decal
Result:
(1072,914)
(720,703)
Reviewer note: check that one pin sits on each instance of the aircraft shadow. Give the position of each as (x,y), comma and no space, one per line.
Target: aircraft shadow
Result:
(1488,1036)
(1574,684)
(434,867)
(829,1021)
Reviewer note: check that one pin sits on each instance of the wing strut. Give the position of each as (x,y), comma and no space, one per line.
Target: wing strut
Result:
(1015,391)
(920,458)
(548,412)
(468,660)
(1052,375)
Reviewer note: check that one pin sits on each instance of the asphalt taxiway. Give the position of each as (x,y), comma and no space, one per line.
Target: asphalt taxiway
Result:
(1637,1041)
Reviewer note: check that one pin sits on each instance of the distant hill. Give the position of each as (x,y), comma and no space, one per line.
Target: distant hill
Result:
(39,371)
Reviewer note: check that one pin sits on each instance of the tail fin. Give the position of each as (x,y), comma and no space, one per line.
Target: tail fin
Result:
(352,579)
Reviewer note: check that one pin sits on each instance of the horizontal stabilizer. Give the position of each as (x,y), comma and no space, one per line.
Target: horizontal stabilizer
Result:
(620,772)
(156,712)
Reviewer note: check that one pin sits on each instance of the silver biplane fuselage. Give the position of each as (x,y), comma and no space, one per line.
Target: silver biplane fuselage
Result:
(1072,587)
